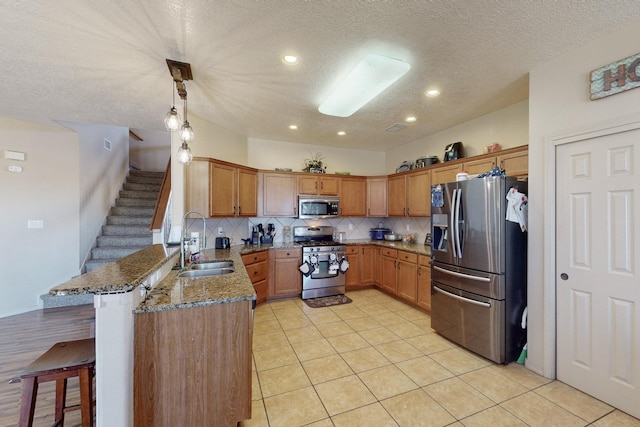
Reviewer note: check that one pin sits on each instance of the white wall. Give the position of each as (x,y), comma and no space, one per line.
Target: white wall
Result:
(100,177)
(507,127)
(32,261)
(152,153)
(268,154)
(559,103)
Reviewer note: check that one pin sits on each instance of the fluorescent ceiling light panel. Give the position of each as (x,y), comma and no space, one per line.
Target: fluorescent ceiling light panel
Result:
(373,74)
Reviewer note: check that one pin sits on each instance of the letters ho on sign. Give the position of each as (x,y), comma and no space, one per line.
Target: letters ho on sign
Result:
(616,77)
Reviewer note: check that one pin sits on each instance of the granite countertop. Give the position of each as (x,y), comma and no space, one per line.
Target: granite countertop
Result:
(175,292)
(119,276)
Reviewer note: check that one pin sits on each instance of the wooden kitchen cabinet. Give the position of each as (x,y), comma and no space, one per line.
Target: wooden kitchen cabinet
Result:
(319,184)
(407,276)
(475,167)
(377,265)
(285,280)
(278,193)
(192,366)
(361,266)
(377,196)
(257,266)
(234,190)
(197,194)
(367,265)
(410,194)
(389,270)
(443,174)
(418,193)
(353,200)
(352,276)
(396,196)
(424,282)
(515,163)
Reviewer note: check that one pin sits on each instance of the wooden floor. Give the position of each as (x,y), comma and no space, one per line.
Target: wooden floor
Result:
(23,338)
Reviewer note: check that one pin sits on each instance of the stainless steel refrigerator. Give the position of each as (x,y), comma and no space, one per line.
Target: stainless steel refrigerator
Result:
(479,272)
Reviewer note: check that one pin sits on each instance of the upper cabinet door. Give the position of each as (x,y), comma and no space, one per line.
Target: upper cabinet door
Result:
(319,184)
(397,196)
(247,193)
(377,196)
(196,187)
(278,194)
(352,196)
(223,190)
(419,193)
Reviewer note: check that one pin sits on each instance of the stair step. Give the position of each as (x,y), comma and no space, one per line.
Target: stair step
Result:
(145,180)
(125,230)
(131,211)
(129,220)
(133,186)
(117,241)
(122,202)
(146,173)
(139,194)
(113,253)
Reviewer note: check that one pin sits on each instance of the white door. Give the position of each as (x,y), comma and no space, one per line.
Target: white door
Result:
(598,283)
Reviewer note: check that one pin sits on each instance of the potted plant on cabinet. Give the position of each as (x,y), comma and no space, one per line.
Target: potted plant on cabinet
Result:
(314,164)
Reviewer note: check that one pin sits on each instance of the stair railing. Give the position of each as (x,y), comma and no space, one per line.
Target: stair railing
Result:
(162,201)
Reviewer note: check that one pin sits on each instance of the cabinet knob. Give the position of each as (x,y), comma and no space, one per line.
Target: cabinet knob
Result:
(288,254)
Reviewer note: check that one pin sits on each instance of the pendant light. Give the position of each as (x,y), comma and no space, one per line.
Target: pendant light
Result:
(172,119)
(180,71)
(186,131)
(184,154)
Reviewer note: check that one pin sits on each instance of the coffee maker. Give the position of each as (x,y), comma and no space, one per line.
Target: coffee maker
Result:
(453,152)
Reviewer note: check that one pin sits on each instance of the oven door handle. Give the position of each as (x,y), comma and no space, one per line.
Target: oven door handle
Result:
(458,297)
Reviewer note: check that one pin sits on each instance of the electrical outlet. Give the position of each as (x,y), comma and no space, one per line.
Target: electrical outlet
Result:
(220,230)
(350,226)
(407,227)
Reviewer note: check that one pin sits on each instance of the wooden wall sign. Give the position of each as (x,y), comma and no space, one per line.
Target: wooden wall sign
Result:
(616,77)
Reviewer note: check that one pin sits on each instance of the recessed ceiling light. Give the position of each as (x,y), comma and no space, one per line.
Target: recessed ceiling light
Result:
(372,75)
(290,59)
(342,133)
(411,119)
(433,92)
(293,127)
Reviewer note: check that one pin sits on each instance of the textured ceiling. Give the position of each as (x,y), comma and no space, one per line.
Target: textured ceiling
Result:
(104,61)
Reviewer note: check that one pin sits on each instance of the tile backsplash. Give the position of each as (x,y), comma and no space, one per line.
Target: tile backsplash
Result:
(355,228)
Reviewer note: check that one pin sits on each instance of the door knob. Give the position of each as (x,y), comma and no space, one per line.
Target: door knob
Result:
(564,276)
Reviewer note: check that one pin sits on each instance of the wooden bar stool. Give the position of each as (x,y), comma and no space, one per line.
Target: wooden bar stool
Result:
(62,361)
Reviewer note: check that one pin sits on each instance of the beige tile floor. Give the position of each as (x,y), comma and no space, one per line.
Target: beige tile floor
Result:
(377,362)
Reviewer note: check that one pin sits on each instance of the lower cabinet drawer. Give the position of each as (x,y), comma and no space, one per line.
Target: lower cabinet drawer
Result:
(262,291)
(257,272)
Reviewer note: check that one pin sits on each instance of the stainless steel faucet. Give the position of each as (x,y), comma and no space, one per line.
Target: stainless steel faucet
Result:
(185,236)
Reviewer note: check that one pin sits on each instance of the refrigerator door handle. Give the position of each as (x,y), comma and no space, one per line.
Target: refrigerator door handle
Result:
(452,225)
(458,297)
(464,276)
(457,224)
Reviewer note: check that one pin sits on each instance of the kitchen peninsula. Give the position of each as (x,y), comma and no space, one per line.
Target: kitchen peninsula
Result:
(120,288)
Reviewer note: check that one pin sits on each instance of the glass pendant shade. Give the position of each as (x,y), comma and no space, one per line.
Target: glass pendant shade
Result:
(184,154)
(186,132)
(172,120)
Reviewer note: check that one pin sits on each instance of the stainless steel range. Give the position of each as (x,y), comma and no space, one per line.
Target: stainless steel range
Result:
(323,262)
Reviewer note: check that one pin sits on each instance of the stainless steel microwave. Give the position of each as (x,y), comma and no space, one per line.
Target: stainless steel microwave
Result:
(310,207)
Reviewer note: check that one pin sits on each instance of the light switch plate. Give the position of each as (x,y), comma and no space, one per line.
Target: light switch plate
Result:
(35,223)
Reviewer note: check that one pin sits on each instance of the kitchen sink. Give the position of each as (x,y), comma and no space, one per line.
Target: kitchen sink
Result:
(206,272)
(211,265)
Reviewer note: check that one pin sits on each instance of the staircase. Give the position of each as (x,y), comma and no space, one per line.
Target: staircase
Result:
(127,228)
(126,231)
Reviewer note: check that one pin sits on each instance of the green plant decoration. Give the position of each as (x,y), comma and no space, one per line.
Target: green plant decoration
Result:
(314,164)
